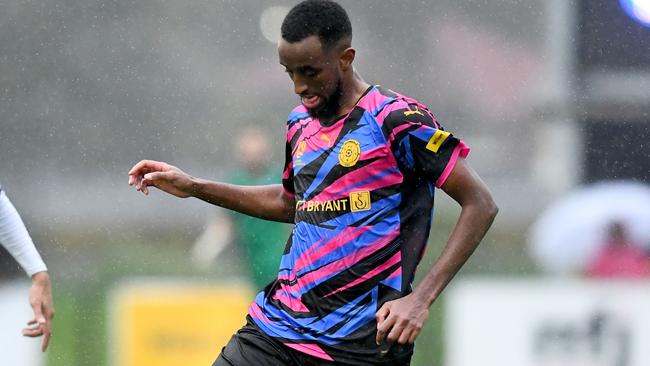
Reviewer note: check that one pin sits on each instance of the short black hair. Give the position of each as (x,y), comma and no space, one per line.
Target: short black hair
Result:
(323,18)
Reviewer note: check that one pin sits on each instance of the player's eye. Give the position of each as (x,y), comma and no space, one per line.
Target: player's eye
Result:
(310,73)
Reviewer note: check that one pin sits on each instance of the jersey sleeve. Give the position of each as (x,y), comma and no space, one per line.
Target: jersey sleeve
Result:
(287,173)
(420,144)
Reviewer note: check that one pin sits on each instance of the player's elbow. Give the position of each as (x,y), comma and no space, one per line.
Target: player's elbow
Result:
(483,204)
(489,207)
(289,217)
(494,210)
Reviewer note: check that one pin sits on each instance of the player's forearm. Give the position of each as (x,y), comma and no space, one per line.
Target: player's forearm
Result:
(474,221)
(267,202)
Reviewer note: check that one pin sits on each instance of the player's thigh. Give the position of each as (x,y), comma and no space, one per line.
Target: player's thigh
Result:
(249,347)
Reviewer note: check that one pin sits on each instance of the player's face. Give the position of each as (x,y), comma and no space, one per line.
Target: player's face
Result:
(315,73)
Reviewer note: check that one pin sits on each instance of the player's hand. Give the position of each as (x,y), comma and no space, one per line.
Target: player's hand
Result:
(161,175)
(401,320)
(40,298)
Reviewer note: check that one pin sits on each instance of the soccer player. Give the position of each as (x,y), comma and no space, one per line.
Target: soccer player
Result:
(261,242)
(362,164)
(16,240)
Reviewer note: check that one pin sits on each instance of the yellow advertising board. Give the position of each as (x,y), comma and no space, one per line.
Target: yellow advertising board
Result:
(156,323)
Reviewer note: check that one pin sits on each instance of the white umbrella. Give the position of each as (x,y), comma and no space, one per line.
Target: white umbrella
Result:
(569,233)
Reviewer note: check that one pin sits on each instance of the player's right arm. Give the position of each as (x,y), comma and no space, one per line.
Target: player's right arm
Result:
(270,202)
(17,241)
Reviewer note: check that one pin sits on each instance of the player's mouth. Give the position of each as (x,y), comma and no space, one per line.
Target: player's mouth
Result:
(310,101)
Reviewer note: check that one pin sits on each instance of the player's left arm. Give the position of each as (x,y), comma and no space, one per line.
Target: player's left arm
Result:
(402,320)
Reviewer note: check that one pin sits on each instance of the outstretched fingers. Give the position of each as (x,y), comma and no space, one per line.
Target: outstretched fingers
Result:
(402,335)
(36,328)
(414,334)
(33,329)
(47,333)
(153,179)
(142,168)
(146,164)
(396,331)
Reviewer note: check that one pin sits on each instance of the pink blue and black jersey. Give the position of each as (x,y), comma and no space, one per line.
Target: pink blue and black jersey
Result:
(364,191)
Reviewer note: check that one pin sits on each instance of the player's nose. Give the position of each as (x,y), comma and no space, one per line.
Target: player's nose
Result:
(299,86)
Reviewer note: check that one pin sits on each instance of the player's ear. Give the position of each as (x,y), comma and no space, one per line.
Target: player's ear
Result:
(346,59)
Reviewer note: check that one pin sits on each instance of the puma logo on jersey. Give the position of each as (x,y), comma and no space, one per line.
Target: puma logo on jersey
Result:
(302,146)
(416,111)
(326,138)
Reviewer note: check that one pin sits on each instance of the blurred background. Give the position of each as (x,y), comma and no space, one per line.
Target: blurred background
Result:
(552,96)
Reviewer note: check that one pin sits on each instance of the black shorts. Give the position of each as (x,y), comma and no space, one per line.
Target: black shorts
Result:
(251,347)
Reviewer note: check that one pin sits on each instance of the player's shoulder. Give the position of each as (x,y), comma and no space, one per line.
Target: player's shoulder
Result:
(399,107)
(376,99)
(401,101)
(297,114)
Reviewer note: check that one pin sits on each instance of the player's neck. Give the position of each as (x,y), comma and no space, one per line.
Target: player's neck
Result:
(353,90)
(352,93)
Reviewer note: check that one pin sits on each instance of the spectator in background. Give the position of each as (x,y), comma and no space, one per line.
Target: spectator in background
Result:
(619,257)
(16,240)
(260,241)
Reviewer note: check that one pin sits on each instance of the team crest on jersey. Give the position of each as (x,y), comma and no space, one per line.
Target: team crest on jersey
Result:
(349,153)
(359,201)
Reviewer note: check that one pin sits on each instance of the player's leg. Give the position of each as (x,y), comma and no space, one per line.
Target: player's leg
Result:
(303,359)
(403,361)
(251,347)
